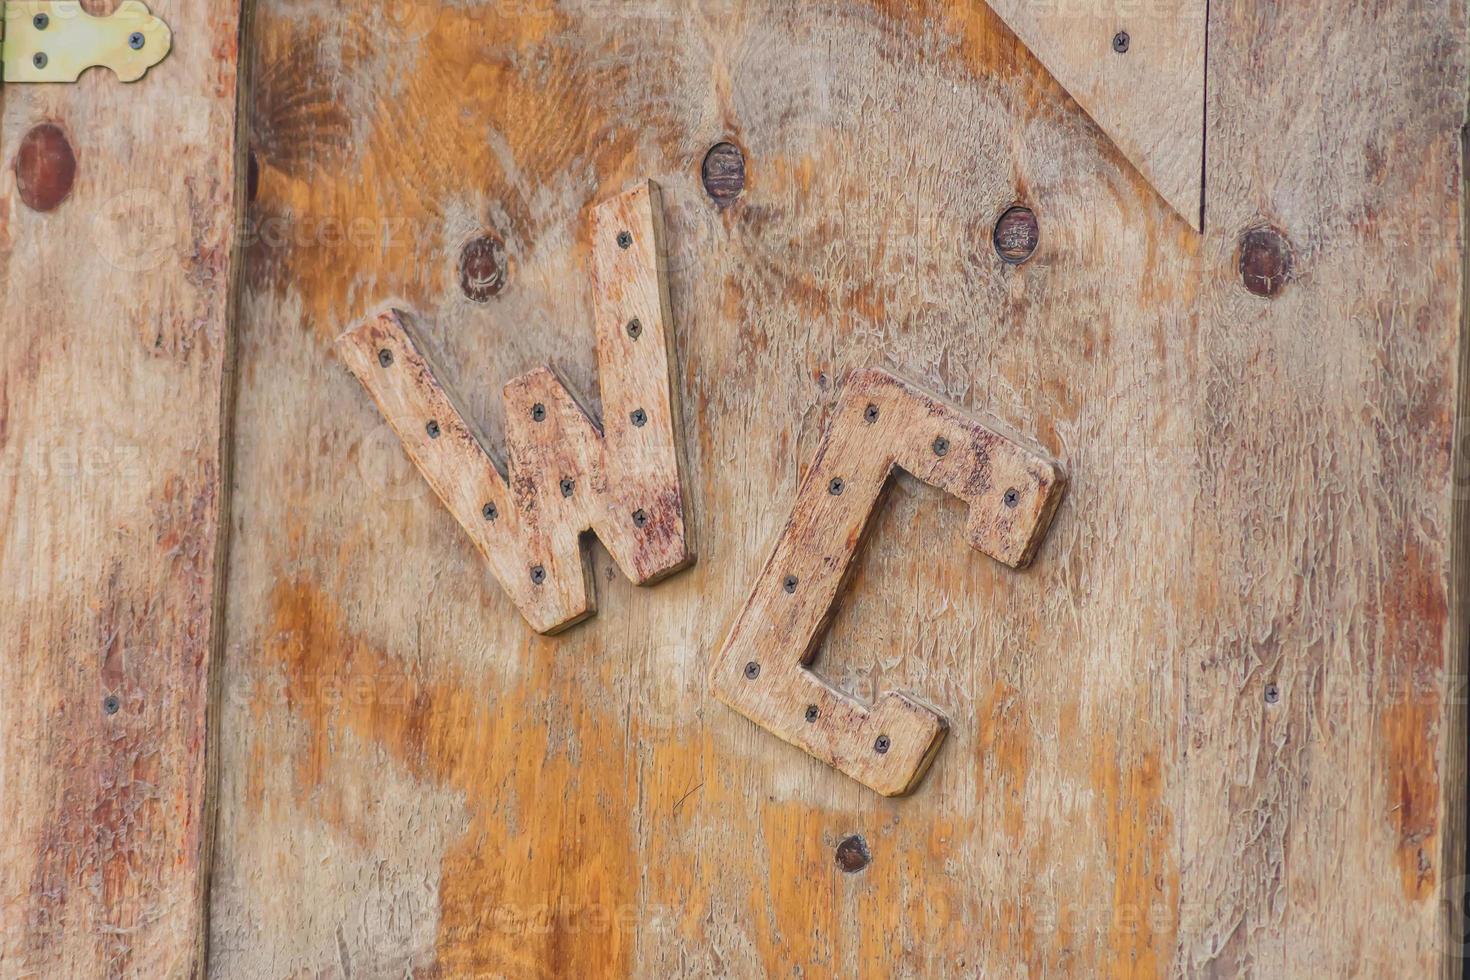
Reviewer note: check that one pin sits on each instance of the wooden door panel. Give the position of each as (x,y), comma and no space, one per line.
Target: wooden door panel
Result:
(1260,502)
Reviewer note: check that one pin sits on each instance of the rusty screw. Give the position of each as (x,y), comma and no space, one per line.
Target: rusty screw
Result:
(432,429)
(941,446)
(1012,497)
(640,518)
(491,512)
(567,486)
(111,704)
(853,854)
(635,328)
(790,584)
(1121,40)
(639,417)
(812,713)
(870,414)
(625,240)
(882,745)
(538,412)
(538,575)
(836,487)
(385,357)
(752,670)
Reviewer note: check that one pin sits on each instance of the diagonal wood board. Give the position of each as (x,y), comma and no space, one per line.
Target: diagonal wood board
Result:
(1149,98)
(881,424)
(567,475)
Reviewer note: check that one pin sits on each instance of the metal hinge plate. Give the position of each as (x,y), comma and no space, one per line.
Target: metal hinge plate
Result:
(56,40)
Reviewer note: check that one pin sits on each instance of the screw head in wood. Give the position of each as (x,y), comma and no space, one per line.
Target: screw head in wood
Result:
(812,713)
(490,511)
(538,412)
(723,173)
(639,417)
(567,486)
(1273,694)
(789,584)
(635,328)
(941,446)
(432,429)
(853,855)
(39,59)
(136,40)
(385,358)
(41,21)
(882,745)
(1016,235)
(640,518)
(538,575)
(625,240)
(870,414)
(111,704)
(836,487)
(1121,40)
(1012,497)
(752,670)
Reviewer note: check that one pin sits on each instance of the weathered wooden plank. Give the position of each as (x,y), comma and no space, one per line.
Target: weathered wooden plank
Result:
(881,424)
(118,208)
(1138,69)
(1255,484)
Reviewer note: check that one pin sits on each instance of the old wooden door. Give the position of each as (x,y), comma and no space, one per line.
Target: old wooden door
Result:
(1208,257)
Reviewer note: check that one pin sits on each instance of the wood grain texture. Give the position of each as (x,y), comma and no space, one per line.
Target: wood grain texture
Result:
(566,474)
(1260,493)
(115,360)
(1138,69)
(881,423)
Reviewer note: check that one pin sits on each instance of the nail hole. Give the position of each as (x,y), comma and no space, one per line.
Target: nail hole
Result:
(836,487)
(812,713)
(538,412)
(385,357)
(640,518)
(1012,497)
(882,745)
(870,414)
(941,446)
(567,486)
(491,512)
(625,240)
(752,670)
(432,429)
(639,417)
(1121,40)
(111,704)
(635,328)
(789,584)
(538,575)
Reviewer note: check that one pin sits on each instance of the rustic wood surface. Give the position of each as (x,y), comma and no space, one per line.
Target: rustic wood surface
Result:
(118,217)
(565,474)
(1211,734)
(881,423)
(1138,69)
